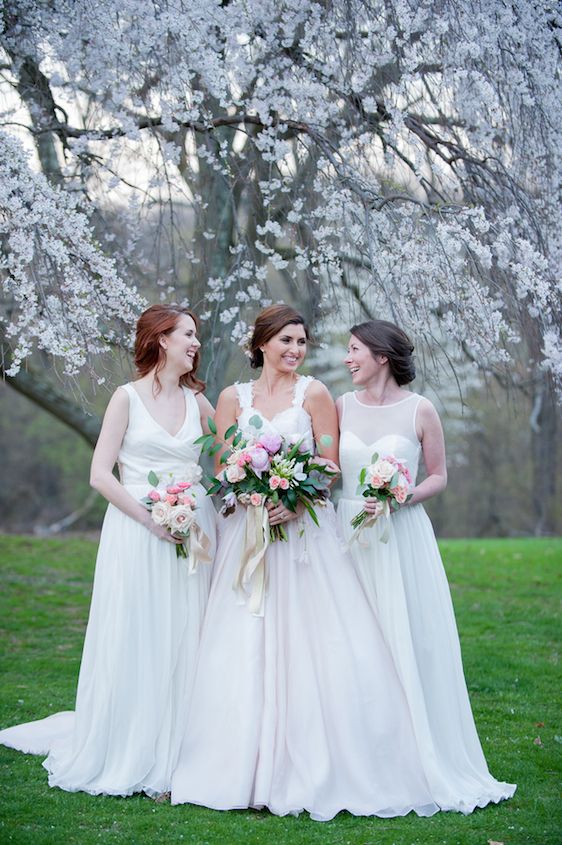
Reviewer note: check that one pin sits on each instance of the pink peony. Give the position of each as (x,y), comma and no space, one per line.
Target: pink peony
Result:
(270,442)
(259,458)
(256,499)
(171,499)
(174,489)
(154,496)
(274,482)
(284,484)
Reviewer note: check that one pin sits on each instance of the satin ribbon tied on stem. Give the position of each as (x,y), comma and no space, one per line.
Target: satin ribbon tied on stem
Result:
(250,580)
(369,521)
(196,548)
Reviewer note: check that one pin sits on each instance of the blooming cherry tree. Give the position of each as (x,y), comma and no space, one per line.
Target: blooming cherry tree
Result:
(392,158)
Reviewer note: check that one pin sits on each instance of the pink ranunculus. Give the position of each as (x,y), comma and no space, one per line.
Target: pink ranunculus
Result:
(274,482)
(171,499)
(270,442)
(154,496)
(259,458)
(256,499)
(284,484)
(184,485)
(235,473)
(173,489)
(400,493)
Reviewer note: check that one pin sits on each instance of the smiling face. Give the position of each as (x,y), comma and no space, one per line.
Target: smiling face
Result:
(362,365)
(181,344)
(286,350)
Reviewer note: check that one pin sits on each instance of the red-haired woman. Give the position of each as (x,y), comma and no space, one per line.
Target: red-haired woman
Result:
(147,603)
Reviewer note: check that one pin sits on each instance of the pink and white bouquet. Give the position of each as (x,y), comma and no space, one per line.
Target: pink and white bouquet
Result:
(172,504)
(387,479)
(267,467)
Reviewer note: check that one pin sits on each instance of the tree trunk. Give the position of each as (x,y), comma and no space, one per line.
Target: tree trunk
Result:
(51,400)
(543,422)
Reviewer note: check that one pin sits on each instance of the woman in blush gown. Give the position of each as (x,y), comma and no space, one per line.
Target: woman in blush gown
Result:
(403,576)
(147,603)
(297,707)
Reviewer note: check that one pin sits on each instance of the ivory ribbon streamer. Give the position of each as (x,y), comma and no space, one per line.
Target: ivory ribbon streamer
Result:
(249,582)
(368,523)
(198,548)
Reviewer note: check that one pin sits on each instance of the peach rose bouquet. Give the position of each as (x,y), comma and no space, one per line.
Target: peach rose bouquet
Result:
(172,505)
(387,479)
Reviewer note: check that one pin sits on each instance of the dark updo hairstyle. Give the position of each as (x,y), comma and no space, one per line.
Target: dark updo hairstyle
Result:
(149,354)
(384,338)
(269,322)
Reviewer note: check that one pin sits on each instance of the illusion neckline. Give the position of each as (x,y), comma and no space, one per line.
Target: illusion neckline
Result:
(155,421)
(390,404)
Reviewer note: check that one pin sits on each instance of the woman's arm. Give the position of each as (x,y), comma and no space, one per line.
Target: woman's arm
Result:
(430,433)
(322,409)
(107,449)
(206,410)
(226,415)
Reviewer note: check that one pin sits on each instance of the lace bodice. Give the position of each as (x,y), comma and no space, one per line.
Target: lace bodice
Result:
(290,421)
(386,429)
(147,446)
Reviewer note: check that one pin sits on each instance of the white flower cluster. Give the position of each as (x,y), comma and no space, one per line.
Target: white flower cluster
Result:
(61,294)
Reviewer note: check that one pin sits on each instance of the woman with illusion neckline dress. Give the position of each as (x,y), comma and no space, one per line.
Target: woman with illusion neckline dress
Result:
(297,706)
(399,565)
(147,603)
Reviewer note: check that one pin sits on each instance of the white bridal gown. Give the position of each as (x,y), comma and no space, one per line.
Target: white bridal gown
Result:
(406,585)
(300,708)
(142,636)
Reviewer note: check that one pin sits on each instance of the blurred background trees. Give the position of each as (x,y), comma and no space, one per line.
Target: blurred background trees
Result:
(354,157)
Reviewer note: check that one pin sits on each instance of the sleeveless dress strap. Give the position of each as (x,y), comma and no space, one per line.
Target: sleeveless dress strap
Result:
(244,391)
(300,390)
(129,389)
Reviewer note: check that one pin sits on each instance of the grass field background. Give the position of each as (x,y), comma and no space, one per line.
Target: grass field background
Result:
(507,597)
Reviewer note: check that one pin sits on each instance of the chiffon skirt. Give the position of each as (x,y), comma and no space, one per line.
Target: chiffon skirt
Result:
(407,588)
(137,667)
(300,709)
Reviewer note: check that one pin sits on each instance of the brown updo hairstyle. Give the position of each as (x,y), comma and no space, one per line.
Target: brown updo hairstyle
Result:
(269,322)
(149,354)
(384,338)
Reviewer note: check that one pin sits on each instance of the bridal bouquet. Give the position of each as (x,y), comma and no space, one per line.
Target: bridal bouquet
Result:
(259,468)
(388,480)
(172,505)
(267,467)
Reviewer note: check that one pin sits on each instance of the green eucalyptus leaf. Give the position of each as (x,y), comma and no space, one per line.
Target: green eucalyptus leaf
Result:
(256,421)
(153,478)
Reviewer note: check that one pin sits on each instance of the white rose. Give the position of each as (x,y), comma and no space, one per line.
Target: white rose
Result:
(384,469)
(160,513)
(181,518)
(235,473)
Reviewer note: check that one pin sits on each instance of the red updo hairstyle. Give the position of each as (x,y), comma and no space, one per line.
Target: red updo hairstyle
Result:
(149,354)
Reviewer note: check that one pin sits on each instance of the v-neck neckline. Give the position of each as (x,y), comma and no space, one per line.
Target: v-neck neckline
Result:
(155,421)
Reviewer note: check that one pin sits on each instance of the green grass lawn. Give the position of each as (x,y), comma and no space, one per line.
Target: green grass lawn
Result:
(507,597)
